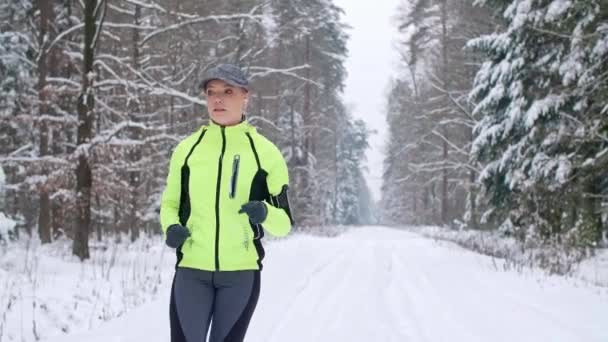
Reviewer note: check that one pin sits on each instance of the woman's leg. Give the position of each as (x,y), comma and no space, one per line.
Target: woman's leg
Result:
(194,295)
(236,297)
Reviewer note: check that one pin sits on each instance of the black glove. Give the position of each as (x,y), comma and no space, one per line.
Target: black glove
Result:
(176,235)
(256,210)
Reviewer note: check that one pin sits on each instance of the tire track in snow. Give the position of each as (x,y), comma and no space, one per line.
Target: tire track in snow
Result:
(402,326)
(289,313)
(424,302)
(330,308)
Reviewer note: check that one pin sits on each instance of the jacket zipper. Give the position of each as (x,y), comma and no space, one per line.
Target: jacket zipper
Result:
(217,203)
(235,173)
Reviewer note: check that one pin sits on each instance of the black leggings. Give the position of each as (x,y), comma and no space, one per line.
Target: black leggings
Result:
(226,299)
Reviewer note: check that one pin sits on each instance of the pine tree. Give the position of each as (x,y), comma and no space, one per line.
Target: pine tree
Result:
(17,94)
(16,52)
(541,93)
(352,143)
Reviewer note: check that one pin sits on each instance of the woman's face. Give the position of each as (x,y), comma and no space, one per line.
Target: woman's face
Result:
(225,103)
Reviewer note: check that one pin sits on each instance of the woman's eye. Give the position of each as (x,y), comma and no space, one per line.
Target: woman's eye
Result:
(229,91)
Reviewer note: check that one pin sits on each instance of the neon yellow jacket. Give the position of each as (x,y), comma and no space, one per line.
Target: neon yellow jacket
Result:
(212,173)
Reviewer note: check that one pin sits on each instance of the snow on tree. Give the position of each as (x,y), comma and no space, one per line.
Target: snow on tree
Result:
(541,96)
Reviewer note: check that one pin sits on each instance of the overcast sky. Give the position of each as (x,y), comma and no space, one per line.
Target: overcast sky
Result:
(370,65)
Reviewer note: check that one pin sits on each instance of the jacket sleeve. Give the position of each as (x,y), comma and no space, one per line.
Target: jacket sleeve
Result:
(279,221)
(169,204)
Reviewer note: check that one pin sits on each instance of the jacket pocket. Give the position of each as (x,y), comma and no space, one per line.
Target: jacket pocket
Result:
(235,174)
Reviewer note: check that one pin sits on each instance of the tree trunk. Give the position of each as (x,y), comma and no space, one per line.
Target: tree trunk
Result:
(304,176)
(414,205)
(86,104)
(444,186)
(425,205)
(57,218)
(590,214)
(44,212)
(135,174)
(307,112)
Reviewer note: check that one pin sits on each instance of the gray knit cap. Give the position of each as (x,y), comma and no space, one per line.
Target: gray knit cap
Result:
(228,73)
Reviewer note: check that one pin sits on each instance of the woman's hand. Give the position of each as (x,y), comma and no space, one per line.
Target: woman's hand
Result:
(176,235)
(256,210)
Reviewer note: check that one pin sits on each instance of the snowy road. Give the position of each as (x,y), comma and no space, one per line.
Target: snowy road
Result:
(379,284)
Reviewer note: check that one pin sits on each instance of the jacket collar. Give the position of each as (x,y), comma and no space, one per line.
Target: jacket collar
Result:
(242,126)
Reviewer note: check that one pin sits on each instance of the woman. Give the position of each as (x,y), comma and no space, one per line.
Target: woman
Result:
(227,184)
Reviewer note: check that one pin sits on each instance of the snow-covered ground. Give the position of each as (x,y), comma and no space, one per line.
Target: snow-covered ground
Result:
(554,260)
(45,291)
(594,270)
(377,284)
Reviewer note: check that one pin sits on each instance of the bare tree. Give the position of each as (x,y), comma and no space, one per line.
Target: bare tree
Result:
(93,14)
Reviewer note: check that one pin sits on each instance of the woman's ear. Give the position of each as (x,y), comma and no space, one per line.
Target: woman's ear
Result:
(245,100)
